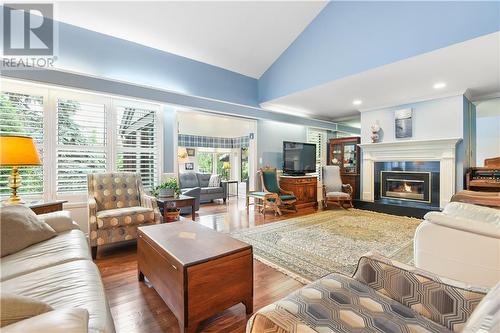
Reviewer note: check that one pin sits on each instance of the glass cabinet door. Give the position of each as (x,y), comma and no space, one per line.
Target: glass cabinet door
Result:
(337,155)
(349,158)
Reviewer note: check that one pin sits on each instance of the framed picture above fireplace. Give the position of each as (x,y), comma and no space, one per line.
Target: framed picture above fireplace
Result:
(403,124)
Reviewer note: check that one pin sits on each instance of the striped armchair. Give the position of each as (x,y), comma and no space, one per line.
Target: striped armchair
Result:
(117,206)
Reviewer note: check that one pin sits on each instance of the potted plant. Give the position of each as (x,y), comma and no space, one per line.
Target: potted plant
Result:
(168,188)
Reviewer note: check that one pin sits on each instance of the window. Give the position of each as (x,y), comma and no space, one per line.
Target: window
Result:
(77,134)
(205,162)
(318,137)
(244,164)
(81,143)
(22,114)
(136,131)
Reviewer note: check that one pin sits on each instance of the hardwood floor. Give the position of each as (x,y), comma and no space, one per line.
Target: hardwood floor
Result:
(138,308)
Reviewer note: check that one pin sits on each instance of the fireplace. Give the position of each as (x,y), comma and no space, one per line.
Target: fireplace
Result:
(406,185)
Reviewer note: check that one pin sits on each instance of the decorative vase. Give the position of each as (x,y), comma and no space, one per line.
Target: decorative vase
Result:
(375,128)
(172,215)
(166,192)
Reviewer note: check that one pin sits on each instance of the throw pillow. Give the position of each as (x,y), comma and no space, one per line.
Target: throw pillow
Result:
(60,221)
(485,318)
(15,308)
(214,181)
(20,228)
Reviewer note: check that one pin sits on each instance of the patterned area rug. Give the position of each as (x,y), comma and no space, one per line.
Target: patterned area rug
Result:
(312,246)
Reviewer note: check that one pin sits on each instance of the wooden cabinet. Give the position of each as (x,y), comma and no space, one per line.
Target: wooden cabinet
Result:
(344,152)
(305,188)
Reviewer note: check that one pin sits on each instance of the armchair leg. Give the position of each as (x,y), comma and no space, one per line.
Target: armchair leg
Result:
(94,251)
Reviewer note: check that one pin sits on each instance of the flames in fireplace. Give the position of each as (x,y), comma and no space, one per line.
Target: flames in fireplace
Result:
(405,189)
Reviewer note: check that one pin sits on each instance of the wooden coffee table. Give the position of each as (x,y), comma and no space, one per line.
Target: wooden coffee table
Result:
(198,272)
(180,201)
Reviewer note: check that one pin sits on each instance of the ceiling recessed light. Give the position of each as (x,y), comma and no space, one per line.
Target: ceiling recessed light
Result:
(357,102)
(439,85)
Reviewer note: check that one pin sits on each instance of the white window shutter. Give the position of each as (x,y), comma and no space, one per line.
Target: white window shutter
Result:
(136,146)
(81,143)
(22,114)
(319,138)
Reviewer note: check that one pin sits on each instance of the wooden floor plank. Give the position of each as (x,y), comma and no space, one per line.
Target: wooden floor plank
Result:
(136,307)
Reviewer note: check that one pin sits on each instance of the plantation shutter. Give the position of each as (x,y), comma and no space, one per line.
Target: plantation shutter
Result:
(136,146)
(81,143)
(318,137)
(22,114)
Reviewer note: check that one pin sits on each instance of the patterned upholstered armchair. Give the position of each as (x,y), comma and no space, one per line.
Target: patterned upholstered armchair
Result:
(117,206)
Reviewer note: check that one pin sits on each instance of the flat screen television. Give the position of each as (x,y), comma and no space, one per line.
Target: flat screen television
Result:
(298,158)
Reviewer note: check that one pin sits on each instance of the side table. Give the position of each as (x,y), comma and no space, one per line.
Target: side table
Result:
(229,182)
(46,206)
(179,201)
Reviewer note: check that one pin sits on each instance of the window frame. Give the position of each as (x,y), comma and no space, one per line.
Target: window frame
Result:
(50,95)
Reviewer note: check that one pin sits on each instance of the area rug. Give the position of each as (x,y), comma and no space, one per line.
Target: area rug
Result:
(311,246)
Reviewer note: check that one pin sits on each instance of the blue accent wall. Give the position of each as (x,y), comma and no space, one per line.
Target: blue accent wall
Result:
(349,37)
(93,53)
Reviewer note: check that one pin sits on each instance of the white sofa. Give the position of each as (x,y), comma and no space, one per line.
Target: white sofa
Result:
(462,242)
(59,272)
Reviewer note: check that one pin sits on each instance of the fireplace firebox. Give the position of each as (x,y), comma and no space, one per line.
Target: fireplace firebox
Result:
(405,185)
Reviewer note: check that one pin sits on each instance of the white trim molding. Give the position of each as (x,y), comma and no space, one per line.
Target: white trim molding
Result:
(442,150)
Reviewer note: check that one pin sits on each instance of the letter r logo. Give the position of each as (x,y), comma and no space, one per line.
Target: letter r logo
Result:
(28,29)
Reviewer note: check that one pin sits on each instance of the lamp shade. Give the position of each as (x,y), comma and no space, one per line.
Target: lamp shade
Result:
(18,151)
(182,155)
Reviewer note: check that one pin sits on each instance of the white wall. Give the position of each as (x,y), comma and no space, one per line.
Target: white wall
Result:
(270,141)
(487,130)
(434,119)
(196,123)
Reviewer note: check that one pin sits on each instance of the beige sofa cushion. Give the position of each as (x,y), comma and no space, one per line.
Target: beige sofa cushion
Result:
(72,320)
(75,284)
(21,228)
(14,308)
(65,247)
(122,217)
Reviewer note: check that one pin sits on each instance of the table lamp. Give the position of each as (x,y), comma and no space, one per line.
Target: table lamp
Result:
(226,166)
(15,152)
(182,155)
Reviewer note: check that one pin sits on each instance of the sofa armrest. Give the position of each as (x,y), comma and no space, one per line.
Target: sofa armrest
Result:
(446,302)
(74,320)
(60,221)
(475,226)
(92,207)
(149,201)
(224,188)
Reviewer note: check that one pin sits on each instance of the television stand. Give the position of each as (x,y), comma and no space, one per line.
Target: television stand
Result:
(305,189)
(294,174)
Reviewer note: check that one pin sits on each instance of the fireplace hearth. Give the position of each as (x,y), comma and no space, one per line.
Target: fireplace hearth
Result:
(410,184)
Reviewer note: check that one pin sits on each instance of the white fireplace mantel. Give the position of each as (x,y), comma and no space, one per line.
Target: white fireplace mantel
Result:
(442,150)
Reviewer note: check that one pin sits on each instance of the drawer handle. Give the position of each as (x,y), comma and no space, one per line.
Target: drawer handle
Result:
(173,267)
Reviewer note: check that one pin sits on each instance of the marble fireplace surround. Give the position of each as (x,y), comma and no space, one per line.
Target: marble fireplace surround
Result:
(442,150)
